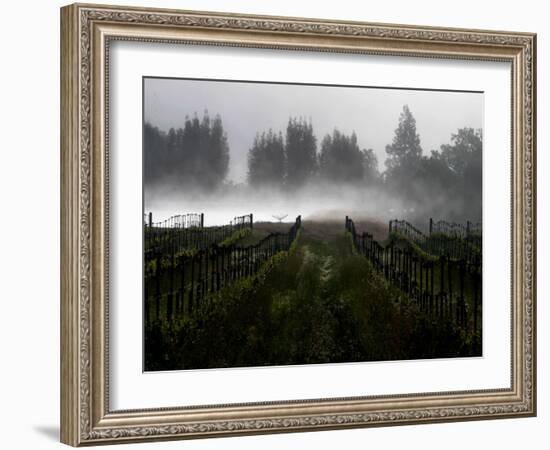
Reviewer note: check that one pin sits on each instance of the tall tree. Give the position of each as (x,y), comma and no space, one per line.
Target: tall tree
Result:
(464,150)
(370,167)
(172,140)
(405,151)
(300,151)
(449,181)
(464,159)
(340,159)
(266,160)
(219,149)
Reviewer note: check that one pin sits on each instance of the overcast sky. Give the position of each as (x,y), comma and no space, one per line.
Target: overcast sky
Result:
(246,108)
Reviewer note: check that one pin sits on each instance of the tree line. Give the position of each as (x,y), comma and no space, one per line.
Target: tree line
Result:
(198,154)
(294,160)
(452,172)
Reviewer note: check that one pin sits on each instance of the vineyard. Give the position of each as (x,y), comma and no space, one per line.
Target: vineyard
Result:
(246,293)
(440,273)
(183,266)
(187,232)
(452,240)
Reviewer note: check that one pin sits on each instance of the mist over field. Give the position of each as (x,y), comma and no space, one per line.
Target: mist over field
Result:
(329,202)
(228,149)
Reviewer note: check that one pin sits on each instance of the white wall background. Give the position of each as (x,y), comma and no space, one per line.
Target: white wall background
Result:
(29,223)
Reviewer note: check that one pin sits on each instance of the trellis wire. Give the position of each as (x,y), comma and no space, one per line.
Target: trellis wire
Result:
(187,232)
(439,286)
(456,241)
(176,285)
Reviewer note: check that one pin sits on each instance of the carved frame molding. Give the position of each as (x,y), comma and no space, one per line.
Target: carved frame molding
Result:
(86,31)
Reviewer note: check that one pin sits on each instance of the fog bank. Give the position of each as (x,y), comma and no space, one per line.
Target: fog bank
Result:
(323,202)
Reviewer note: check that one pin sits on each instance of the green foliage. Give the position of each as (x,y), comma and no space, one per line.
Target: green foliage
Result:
(349,239)
(166,257)
(316,303)
(294,246)
(236,237)
(402,240)
(469,246)
(216,331)
(150,267)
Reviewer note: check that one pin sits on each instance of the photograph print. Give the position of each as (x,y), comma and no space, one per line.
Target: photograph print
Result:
(291,224)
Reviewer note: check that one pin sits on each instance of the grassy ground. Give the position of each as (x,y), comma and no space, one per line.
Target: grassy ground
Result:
(318,303)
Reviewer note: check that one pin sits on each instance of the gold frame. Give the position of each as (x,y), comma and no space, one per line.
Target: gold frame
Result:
(86,31)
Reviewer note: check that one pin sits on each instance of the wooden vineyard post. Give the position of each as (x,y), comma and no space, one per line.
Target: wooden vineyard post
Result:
(217,256)
(399,269)
(243,262)
(200,292)
(461,299)
(412,274)
(393,263)
(450,282)
(213,271)
(389,261)
(206,273)
(223,268)
(181,299)
(408,268)
(423,284)
(414,278)
(386,251)
(170,297)
(405,272)
(476,287)
(146,304)
(190,305)
(248,260)
(431,287)
(157,280)
(237,263)
(232,267)
(441,284)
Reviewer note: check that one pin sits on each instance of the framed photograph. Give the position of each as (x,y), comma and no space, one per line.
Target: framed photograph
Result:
(275,224)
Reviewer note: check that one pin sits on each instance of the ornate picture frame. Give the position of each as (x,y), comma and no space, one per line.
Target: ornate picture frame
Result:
(87,31)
